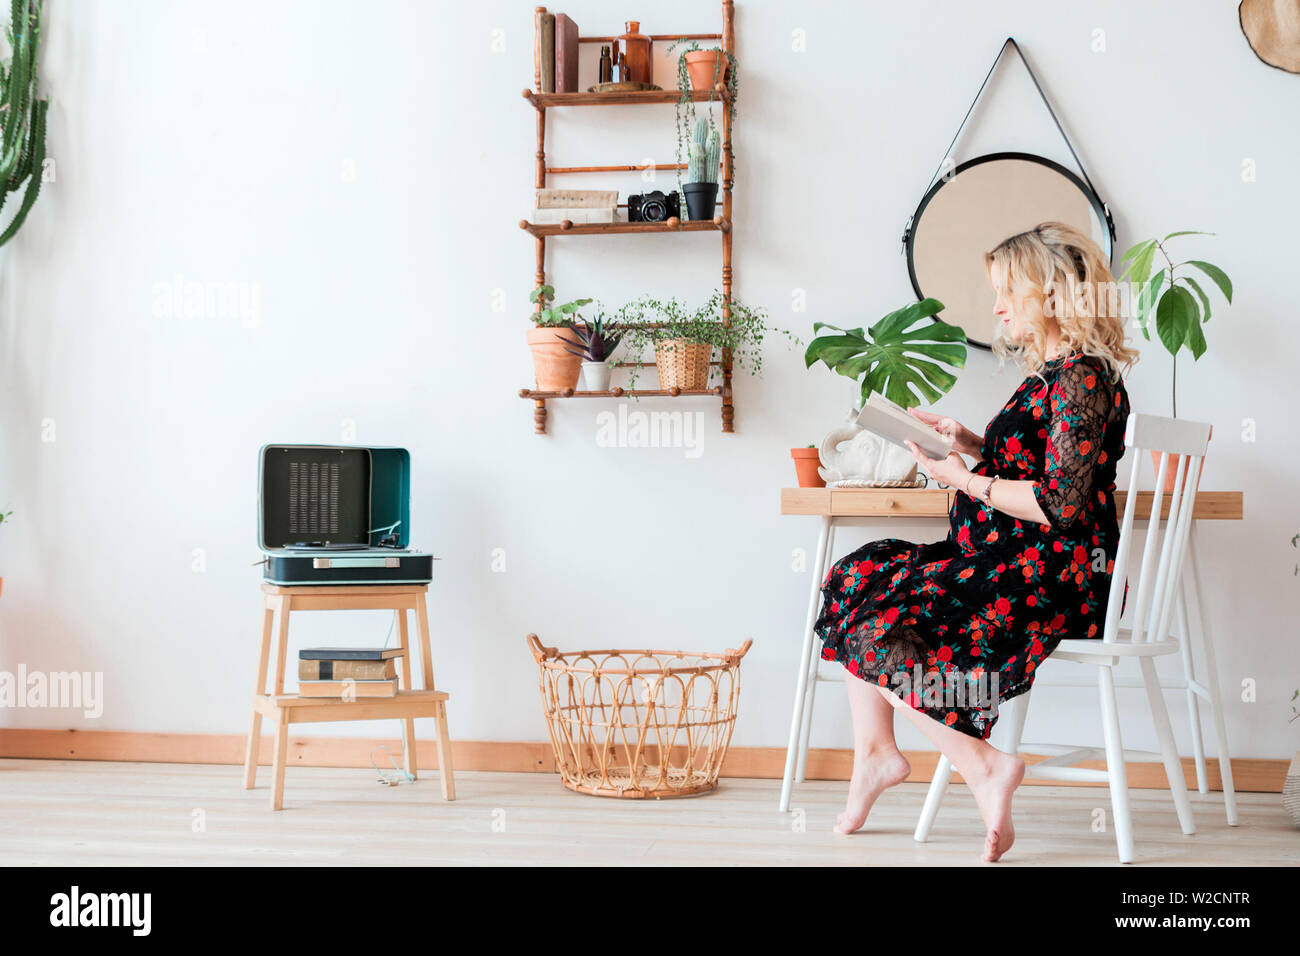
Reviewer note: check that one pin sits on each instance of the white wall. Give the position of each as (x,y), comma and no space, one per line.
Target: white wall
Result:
(212,140)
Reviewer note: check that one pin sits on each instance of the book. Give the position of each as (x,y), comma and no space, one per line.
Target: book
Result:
(547,217)
(577,198)
(347,670)
(892,423)
(348,653)
(347,688)
(566,55)
(545,27)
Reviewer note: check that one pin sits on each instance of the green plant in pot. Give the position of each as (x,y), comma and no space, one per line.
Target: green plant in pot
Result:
(701,188)
(1170,292)
(595,349)
(902,357)
(806,461)
(700,69)
(554,366)
(684,340)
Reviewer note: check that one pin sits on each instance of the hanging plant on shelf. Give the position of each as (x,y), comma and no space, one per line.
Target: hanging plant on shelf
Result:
(1180,310)
(895,357)
(699,68)
(683,340)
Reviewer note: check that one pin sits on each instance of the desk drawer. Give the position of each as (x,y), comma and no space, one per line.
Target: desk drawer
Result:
(884,502)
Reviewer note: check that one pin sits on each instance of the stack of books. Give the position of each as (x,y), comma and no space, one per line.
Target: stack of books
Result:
(348,671)
(576,205)
(555,51)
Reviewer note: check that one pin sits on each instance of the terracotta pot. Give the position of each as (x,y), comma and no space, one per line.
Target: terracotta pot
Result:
(701,65)
(1171,470)
(554,368)
(806,461)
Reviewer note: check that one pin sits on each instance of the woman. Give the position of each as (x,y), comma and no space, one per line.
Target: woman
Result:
(944,632)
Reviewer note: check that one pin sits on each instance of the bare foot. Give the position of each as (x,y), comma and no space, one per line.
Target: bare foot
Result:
(993,789)
(872,775)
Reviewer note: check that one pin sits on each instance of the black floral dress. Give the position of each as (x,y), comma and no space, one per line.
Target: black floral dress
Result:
(957,626)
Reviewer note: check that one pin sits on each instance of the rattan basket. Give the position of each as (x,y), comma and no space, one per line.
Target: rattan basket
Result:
(639,723)
(683,364)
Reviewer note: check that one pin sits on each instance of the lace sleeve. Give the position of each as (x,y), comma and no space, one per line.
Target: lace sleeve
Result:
(1079,403)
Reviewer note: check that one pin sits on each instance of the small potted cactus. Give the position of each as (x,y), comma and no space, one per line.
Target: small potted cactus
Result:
(702,172)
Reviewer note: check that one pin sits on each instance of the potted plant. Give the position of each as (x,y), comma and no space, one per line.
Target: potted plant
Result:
(895,357)
(701,189)
(554,366)
(1179,304)
(684,340)
(806,462)
(699,69)
(596,345)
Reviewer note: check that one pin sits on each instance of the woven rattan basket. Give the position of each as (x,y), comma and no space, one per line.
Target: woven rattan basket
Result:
(683,364)
(639,723)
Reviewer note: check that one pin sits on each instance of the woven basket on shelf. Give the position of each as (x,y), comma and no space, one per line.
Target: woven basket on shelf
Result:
(639,723)
(683,364)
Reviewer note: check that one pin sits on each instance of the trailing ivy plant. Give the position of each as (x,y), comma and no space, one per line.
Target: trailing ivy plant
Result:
(895,357)
(685,107)
(557,315)
(1180,310)
(650,324)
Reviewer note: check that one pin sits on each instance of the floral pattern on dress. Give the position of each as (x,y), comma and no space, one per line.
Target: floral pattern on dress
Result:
(981,609)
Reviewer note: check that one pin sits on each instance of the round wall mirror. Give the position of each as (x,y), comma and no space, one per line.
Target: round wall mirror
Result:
(986,200)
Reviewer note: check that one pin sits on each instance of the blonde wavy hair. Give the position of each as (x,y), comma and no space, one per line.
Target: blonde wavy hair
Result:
(1071,273)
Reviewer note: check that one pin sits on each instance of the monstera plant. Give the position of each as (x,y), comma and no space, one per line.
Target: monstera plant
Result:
(901,356)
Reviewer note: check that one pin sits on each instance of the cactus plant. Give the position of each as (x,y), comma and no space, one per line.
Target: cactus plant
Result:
(705,154)
(22,115)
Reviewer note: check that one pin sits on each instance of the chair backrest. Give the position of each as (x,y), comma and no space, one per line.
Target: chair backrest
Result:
(1166,538)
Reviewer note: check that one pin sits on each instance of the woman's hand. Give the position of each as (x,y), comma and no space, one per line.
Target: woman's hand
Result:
(964,441)
(951,471)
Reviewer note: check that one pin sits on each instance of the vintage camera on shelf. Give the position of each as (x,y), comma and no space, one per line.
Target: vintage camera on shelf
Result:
(654,206)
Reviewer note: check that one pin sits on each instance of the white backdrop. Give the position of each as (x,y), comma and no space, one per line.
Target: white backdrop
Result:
(357,185)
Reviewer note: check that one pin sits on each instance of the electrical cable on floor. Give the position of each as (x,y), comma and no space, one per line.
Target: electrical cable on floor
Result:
(391,778)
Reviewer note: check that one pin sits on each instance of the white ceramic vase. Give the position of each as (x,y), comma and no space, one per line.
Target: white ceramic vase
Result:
(595,376)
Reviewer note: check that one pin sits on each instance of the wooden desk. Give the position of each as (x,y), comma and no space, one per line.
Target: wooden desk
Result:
(856,506)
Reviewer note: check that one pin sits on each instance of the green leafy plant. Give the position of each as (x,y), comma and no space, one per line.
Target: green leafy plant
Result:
(6,516)
(1179,302)
(895,357)
(549,315)
(22,114)
(739,330)
(595,342)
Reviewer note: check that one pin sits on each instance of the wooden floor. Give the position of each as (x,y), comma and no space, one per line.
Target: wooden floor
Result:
(57,812)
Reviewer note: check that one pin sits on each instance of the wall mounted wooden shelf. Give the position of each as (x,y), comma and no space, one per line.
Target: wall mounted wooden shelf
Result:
(721,224)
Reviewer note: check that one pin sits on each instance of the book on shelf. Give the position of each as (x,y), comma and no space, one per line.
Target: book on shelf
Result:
(348,653)
(566,55)
(347,688)
(551,217)
(347,670)
(544,51)
(893,423)
(576,198)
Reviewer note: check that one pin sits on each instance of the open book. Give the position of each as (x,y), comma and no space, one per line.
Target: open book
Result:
(893,423)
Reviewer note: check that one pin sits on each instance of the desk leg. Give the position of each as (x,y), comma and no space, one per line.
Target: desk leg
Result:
(800,690)
(1189,677)
(404,670)
(1212,681)
(255,726)
(813,657)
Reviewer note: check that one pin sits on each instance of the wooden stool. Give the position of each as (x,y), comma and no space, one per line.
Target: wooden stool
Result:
(284,709)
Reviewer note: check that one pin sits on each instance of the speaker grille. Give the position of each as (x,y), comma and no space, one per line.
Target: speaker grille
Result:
(313,498)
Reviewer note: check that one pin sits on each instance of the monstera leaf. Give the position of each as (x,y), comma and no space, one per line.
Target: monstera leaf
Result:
(892,358)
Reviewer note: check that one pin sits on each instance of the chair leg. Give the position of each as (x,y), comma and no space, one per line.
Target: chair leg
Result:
(281,754)
(933,797)
(445,774)
(1212,682)
(1165,734)
(255,725)
(1119,802)
(805,733)
(1193,699)
(1019,707)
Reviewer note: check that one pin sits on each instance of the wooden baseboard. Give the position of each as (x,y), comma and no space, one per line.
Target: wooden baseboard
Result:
(1258,775)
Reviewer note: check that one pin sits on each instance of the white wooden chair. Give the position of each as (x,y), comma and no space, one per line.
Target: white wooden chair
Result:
(1157,585)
